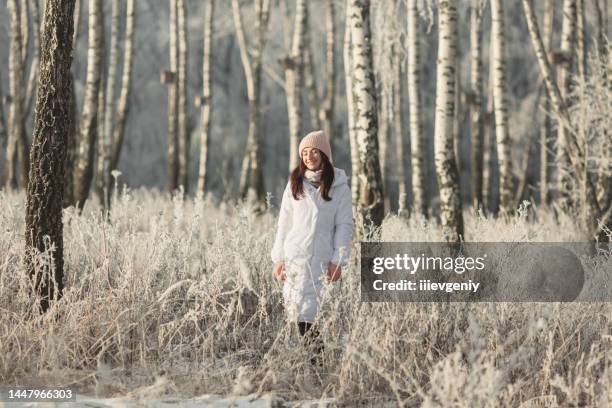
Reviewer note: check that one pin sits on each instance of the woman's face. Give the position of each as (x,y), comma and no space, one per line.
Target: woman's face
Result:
(311,156)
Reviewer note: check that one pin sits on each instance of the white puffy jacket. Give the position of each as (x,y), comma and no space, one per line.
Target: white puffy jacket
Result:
(312,233)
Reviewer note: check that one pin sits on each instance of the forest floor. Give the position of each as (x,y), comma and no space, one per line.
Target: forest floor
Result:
(173,301)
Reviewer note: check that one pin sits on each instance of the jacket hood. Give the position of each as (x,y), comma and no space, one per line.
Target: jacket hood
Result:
(339,177)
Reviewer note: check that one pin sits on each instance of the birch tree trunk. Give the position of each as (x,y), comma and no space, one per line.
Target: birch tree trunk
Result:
(593,215)
(364,94)
(15,123)
(30,94)
(477,124)
(500,103)
(310,83)
(326,111)
(251,178)
(183,136)
(546,129)
(446,167)
(87,138)
(126,87)
(350,108)
(489,196)
(52,122)
(103,171)
(398,127)
(417,137)
(294,81)
(173,151)
(209,11)
(564,70)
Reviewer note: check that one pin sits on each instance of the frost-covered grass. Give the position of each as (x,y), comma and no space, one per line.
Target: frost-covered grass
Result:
(177,296)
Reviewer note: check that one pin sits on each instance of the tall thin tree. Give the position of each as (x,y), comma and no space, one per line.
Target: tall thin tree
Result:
(500,104)
(251,177)
(417,136)
(183,134)
(366,121)
(476,114)
(126,86)
(209,11)
(350,105)
(326,110)
(294,80)
(105,139)
(44,229)
(173,148)
(88,131)
(446,166)
(16,131)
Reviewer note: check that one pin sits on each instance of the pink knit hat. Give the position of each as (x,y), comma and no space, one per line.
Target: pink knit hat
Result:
(316,139)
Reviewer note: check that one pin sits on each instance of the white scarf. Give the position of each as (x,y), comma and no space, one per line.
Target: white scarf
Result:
(313,177)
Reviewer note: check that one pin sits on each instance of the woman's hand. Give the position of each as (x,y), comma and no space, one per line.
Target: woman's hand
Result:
(279,271)
(334,272)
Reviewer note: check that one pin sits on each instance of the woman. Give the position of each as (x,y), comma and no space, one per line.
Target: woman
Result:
(315,229)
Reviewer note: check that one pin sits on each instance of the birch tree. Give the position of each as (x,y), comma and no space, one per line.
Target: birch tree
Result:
(500,104)
(52,122)
(476,117)
(350,106)
(364,94)
(126,87)
(251,178)
(446,166)
(398,133)
(104,140)
(173,151)
(594,218)
(326,110)
(183,135)
(417,136)
(294,81)
(88,129)
(209,10)
(15,122)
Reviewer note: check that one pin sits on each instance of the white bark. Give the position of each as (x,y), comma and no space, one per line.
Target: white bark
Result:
(364,93)
(103,175)
(206,94)
(350,108)
(88,125)
(15,122)
(417,136)
(446,167)
(173,148)
(251,178)
(500,103)
(126,86)
(326,111)
(183,136)
(294,81)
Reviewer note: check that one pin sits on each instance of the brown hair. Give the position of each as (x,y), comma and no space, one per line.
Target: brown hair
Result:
(327,178)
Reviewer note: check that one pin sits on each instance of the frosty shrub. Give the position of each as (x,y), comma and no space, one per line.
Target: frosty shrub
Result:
(177,294)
